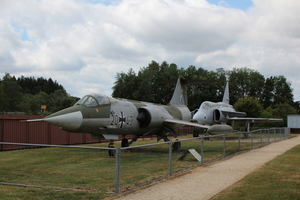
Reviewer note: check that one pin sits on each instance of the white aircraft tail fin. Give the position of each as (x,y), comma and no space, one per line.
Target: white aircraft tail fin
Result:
(226,93)
(180,94)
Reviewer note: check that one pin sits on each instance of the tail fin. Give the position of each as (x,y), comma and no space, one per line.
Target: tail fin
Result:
(180,94)
(226,93)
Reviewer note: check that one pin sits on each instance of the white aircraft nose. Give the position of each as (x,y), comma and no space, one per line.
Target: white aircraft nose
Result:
(200,117)
(69,121)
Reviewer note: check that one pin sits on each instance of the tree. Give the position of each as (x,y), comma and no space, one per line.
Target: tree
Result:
(277,91)
(60,100)
(33,86)
(280,111)
(205,86)
(245,82)
(147,86)
(12,92)
(268,93)
(3,104)
(251,106)
(125,85)
(31,104)
(282,91)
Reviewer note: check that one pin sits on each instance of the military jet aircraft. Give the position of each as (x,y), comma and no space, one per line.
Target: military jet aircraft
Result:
(214,116)
(106,117)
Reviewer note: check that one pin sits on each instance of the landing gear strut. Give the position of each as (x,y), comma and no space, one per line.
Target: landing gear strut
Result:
(163,135)
(195,132)
(176,145)
(111,152)
(124,143)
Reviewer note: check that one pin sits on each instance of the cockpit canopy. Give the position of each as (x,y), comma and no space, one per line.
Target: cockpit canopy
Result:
(92,100)
(205,105)
(210,105)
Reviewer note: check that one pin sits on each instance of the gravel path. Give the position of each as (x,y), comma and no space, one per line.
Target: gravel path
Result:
(207,181)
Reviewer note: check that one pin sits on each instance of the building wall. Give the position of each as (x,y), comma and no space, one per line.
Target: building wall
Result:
(13,128)
(293,121)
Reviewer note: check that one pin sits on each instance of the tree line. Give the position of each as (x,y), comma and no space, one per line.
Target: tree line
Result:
(249,90)
(27,94)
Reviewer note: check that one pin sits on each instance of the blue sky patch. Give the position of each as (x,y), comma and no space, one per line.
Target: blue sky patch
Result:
(24,36)
(21,30)
(104,2)
(239,4)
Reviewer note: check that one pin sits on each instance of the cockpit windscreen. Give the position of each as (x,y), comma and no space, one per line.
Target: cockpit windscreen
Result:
(93,100)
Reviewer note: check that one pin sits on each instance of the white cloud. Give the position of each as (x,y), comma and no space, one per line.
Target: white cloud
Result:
(84,44)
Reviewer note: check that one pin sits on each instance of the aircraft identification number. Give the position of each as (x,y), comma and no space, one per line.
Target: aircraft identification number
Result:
(120,119)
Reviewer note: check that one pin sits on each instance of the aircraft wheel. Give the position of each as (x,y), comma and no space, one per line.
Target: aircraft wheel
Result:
(195,132)
(176,145)
(111,153)
(124,143)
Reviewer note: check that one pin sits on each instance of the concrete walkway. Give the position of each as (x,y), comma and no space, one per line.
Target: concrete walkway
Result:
(207,181)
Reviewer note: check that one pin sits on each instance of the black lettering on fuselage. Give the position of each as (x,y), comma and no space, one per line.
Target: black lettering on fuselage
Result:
(120,119)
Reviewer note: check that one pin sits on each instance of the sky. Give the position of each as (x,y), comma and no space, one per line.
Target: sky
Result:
(83,44)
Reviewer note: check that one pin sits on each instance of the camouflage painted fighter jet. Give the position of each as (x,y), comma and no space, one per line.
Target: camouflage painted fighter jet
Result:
(106,117)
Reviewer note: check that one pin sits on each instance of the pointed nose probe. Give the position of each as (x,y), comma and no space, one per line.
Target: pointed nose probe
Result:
(69,121)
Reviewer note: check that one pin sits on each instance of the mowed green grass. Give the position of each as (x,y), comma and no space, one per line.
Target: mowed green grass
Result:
(278,179)
(21,193)
(93,170)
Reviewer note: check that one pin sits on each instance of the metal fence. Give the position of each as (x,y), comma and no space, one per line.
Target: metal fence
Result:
(90,167)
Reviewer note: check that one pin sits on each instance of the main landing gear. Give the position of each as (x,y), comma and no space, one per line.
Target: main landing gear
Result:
(176,145)
(111,152)
(124,143)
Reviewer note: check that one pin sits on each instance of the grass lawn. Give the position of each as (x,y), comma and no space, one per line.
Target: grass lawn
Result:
(94,170)
(20,193)
(278,179)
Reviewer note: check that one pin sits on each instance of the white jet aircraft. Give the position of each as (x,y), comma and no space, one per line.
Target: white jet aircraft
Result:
(214,116)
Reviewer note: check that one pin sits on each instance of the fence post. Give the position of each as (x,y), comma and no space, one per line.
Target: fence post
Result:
(27,133)
(224,146)
(170,158)
(49,134)
(285,132)
(251,140)
(1,133)
(202,155)
(239,142)
(117,172)
(260,132)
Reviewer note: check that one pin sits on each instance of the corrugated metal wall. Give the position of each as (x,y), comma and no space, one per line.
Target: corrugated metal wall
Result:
(293,121)
(12,129)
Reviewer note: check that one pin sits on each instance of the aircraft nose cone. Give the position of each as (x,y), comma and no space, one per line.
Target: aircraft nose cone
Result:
(200,117)
(68,121)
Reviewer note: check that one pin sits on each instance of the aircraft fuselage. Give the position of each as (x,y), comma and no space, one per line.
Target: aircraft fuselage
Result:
(102,115)
(212,113)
